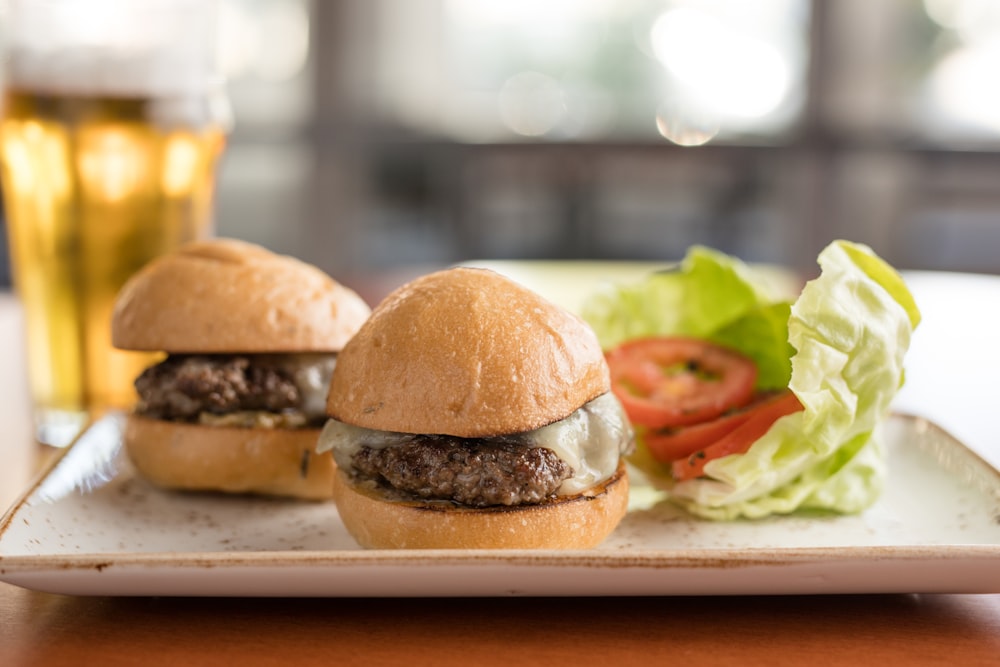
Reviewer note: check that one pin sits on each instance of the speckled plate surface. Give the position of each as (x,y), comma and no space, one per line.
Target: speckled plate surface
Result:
(89,526)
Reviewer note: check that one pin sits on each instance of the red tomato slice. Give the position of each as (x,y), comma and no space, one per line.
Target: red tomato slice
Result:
(676,381)
(668,445)
(739,440)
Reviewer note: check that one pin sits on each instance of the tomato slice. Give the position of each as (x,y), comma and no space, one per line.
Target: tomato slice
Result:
(676,381)
(668,445)
(739,440)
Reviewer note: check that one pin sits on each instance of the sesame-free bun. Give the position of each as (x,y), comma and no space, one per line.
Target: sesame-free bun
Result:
(193,457)
(226,296)
(466,352)
(570,522)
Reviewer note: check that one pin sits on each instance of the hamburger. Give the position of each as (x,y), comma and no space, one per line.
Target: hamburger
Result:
(251,339)
(469,412)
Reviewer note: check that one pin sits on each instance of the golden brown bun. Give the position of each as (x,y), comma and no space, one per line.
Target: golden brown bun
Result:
(225,295)
(191,457)
(575,522)
(466,352)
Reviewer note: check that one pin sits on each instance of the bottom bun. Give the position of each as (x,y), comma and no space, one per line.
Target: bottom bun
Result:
(574,522)
(193,457)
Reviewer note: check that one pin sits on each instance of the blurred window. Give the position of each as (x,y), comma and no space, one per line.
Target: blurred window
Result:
(592,70)
(953,83)
(265,48)
(268,57)
(376,132)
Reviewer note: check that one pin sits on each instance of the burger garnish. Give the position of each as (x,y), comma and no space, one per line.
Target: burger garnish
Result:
(789,420)
(696,401)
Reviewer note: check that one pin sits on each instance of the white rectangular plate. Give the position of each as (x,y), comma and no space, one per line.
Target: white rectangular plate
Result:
(89,526)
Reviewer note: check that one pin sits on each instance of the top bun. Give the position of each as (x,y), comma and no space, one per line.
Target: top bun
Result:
(469,353)
(224,295)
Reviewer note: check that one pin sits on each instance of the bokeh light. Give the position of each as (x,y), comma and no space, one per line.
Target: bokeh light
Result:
(531,103)
(962,86)
(719,67)
(685,126)
(268,40)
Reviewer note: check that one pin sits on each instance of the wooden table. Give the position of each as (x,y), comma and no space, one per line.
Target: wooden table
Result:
(952,369)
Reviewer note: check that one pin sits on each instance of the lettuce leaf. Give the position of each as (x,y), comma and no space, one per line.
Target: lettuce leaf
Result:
(709,295)
(839,347)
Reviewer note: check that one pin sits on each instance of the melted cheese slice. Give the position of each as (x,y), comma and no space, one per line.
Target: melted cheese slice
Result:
(591,440)
(311,373)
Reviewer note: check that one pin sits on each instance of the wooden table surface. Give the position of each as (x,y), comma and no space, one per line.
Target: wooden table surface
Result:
(946,382)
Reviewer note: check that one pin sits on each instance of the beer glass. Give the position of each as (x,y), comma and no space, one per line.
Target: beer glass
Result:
(113,120)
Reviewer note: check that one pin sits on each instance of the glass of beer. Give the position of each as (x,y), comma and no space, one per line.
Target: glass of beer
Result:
(114,117)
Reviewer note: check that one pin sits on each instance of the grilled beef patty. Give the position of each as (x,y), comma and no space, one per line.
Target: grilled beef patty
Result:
(470,471)
(182,387)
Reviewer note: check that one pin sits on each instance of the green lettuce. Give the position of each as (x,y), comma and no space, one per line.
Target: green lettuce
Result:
(839,346)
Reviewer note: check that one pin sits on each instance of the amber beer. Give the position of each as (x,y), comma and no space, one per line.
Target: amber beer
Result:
(94,186)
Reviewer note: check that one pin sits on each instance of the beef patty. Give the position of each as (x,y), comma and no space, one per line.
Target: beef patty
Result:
(184,386)
(470,471)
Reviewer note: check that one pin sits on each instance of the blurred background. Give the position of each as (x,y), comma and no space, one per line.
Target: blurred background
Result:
(371,134)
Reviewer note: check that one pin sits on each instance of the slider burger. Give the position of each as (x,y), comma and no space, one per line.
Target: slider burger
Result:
(469,412)
(251,340)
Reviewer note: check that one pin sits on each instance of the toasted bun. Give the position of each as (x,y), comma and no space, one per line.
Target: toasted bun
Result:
(574,522)
(466,352)
(224,295)
(177,455)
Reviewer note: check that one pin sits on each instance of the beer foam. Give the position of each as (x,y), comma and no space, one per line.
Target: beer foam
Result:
(140,48)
